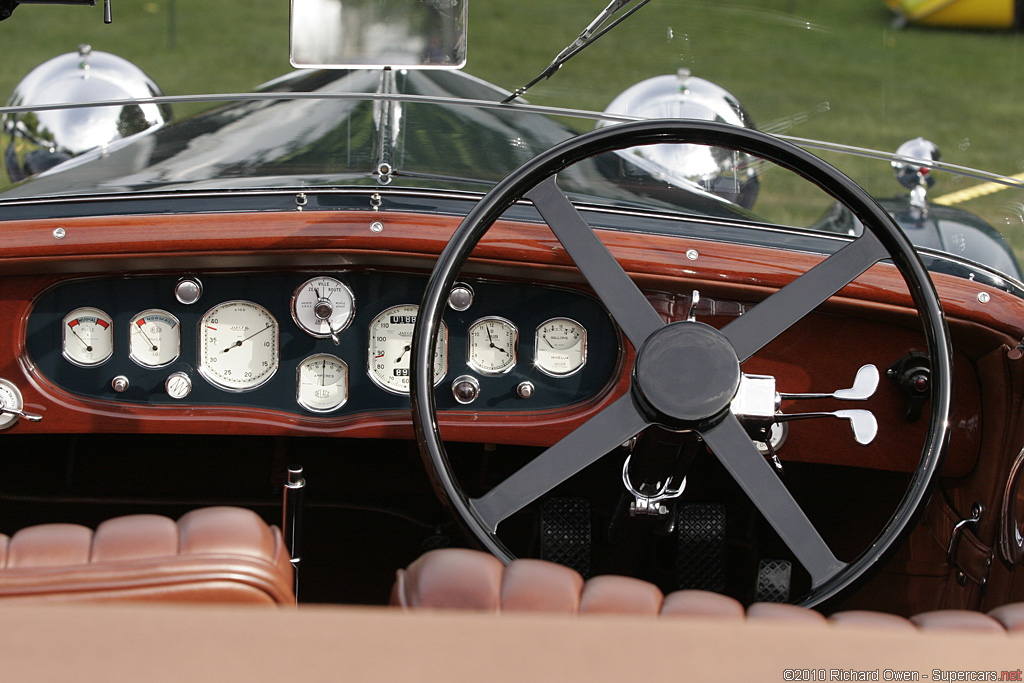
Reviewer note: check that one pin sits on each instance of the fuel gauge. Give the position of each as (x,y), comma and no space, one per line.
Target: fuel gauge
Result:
(87,336)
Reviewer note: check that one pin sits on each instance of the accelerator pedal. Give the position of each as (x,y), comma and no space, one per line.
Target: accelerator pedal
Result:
(700,563)
(565,535)
(773,579)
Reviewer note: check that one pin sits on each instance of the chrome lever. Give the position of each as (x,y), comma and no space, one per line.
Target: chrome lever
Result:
(20,413)
(863,422)
(864,386)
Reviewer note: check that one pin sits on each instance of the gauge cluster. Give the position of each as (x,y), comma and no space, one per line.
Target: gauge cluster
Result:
(318,344)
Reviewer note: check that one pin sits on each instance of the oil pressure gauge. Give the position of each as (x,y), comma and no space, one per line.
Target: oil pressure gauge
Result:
(88,336)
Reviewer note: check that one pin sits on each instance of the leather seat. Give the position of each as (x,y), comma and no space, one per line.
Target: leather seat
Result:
(219,554)
(456,578)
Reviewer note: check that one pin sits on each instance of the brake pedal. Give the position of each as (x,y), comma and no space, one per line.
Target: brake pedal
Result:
(773,578)
(700,563)
(565,535)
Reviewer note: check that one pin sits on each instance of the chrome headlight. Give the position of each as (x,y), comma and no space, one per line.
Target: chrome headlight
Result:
(728,174)
(35,141)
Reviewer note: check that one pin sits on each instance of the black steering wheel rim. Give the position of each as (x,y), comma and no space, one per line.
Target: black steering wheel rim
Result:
(881,233)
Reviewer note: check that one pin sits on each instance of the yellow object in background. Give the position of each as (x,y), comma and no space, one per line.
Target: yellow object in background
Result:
(992,14)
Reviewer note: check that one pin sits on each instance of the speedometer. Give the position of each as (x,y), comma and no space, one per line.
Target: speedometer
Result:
(391,346)
(238,345)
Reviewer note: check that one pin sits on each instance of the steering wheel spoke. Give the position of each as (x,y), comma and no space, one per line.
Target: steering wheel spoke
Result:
(773,316)
(617,291)
(734,449)
(614,425)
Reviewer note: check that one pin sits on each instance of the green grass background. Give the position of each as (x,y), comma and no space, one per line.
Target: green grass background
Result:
(825,69)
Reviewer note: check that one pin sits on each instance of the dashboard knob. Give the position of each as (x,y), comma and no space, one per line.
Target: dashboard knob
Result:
(525,389)
(119,384)
(188,290)
(465,389)
(178,385)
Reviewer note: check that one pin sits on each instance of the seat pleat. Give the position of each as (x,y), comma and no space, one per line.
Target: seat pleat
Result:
(620,595)
(701,603)
(957,620)
(1010,616)
(49,545)
(869,619)
(224,530)
(777,611)
(538,586)
(453,578)
(134,537)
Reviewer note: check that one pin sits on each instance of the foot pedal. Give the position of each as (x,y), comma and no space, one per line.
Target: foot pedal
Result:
(700,563)
(565,533)
(773,577)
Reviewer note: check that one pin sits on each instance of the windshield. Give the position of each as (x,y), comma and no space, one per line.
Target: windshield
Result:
(853,81)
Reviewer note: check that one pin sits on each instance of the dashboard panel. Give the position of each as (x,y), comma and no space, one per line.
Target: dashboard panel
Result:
(258,339)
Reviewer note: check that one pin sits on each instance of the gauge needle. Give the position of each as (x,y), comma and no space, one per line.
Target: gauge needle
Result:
(491,340)
(241,341)
(146,336)
(404,351)
(323,372)
(88,347)
(545,338)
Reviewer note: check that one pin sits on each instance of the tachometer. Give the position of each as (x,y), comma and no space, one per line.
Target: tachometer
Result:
(238,345)
(391,346)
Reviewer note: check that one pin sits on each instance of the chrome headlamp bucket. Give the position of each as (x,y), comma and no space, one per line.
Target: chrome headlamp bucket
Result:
(38,140)
(730,175)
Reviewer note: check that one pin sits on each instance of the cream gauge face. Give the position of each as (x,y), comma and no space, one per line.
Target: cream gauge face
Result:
(323,306)
(238,345)
(322,384)
(492,346)
(154,338)
(88,336)
(391,346)
(560,347)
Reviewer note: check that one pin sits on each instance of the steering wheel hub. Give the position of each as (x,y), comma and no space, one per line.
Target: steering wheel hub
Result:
(686,375)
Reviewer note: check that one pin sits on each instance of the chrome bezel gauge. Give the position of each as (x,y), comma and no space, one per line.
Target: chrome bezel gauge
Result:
(241,325)
(323,306)
(87,337)
(390,348)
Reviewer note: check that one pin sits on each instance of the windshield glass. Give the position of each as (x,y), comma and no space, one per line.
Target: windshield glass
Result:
(853,81)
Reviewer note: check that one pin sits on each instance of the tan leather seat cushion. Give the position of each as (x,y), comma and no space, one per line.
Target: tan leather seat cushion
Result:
(455,578)
(219,554)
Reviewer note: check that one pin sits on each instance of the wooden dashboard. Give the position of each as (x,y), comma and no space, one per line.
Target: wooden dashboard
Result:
(870,321)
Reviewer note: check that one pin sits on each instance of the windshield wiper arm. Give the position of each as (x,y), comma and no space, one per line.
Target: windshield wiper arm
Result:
(592,32)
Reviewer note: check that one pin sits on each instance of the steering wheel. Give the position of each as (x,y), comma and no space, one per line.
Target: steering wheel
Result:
(706,361)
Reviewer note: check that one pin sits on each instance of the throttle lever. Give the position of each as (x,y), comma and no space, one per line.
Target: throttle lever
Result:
(863,422)
(864,386)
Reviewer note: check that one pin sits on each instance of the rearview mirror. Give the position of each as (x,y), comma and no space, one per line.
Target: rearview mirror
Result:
(373,34)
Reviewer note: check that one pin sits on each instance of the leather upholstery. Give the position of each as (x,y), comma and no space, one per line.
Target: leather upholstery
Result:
(219,554)
(455,578)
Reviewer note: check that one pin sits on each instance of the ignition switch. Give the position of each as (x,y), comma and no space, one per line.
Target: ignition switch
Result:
(912,374)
